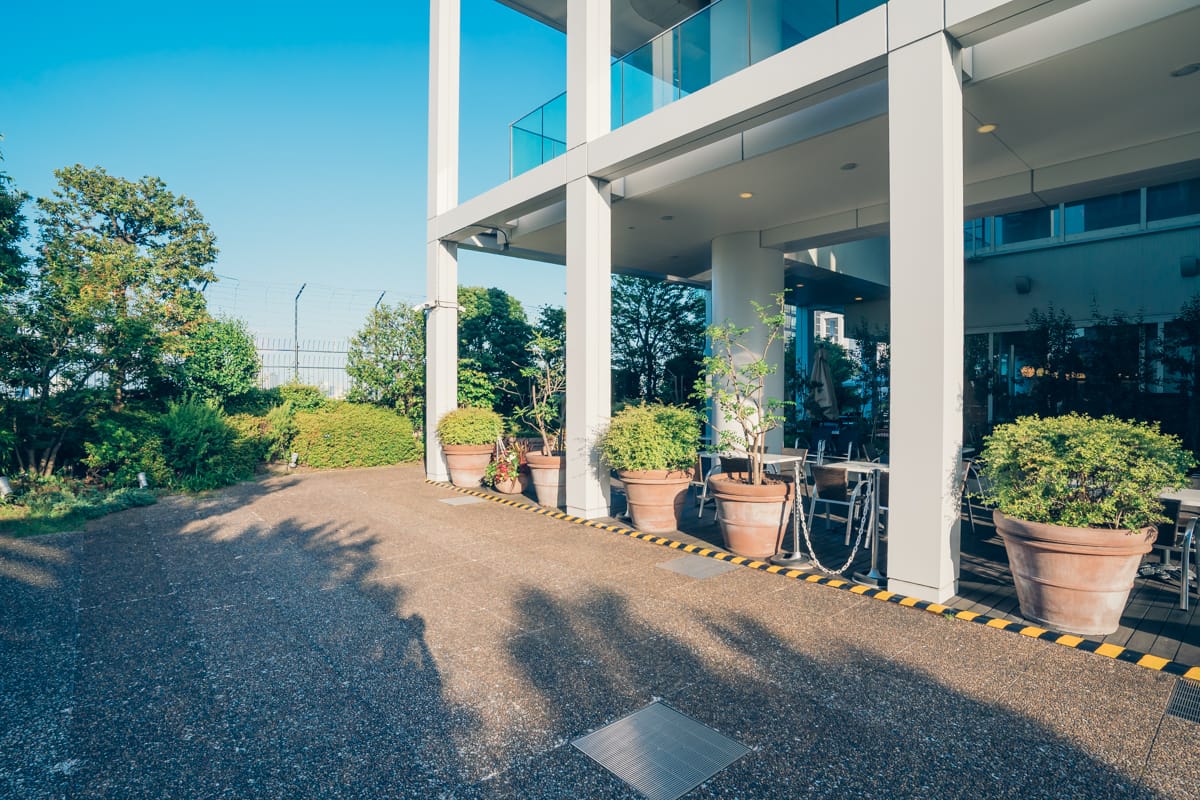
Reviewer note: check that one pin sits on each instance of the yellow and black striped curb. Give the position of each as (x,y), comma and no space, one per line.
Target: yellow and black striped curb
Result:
(1112,651)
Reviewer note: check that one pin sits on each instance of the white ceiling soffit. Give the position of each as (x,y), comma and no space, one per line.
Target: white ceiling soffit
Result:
(634,22)
(1101,117)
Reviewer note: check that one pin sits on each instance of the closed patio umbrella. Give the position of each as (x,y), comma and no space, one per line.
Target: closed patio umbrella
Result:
(824,391)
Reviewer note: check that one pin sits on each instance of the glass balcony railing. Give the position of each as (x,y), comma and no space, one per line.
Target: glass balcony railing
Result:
(715,42)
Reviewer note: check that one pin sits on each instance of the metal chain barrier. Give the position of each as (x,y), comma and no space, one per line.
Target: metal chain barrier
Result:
(858,540)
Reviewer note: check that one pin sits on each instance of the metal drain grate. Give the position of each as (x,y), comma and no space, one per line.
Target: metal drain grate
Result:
(461,501)
(1185,700)
(697,567)
(660,752)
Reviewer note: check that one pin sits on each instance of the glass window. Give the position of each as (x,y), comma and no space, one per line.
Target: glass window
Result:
(1027,226)
(975,235)
(852,8)
(1109,211)
(805,20)
(1179,199)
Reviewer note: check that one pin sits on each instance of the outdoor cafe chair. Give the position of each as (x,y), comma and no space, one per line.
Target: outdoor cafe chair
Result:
(831,487)
(1181,540)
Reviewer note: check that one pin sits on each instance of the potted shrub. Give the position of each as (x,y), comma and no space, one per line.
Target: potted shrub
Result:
(506,472)
(468,436)
(653,449)
(1077,499)
(547,382)
(752,507)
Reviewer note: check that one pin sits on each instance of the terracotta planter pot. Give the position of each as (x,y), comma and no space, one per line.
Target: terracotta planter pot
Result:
(1072,579)
(548,479)
(467,463)
(655,498)
(517,485)
(753,518)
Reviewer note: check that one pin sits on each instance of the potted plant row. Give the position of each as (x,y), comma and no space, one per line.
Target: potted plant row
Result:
(1077,500)
(653,449)
(753,508)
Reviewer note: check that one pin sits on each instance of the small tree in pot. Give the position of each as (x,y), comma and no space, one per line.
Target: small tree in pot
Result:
(468,436)
(753,511)
(1076,502)
(547,383)
(653,448)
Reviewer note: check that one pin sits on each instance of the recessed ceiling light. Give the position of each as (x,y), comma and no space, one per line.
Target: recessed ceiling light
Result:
(1187,69)
(799,285)
(666,217)
(987,127)
(746,195)
(858,298)
(849,165)
(632,227)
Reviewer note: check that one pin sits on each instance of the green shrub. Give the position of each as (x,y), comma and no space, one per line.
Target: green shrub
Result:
(256,402)
(302,396)
(281,431)
(467,426)
(1082,472)
(124,445)
(201,447)
(43,505)
(651,437)
(354,435)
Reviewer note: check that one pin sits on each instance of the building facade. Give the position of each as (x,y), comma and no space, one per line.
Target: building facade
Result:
(837,149)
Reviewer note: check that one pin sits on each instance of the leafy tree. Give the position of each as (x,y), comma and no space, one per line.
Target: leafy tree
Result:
(12,233)
(386,361)
(114,294)
(654,323)
(221,361)
(493,333)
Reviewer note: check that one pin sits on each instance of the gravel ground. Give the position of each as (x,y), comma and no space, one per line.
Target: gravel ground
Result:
(347,635)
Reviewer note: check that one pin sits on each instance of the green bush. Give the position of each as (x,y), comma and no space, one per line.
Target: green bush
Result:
(59,499)
(651,437)
(201,447)
(353,435)
(281,431)
(302,396)
(124,445)
(1082,472)
(467,426)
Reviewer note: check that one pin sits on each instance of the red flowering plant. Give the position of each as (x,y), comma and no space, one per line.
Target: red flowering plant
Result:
(506,465)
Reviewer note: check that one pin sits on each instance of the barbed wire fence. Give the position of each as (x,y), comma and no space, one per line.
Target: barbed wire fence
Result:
(302,335)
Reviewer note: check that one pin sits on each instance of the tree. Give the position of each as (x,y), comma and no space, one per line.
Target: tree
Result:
(12,233)
(386,361)
(128,261)
(493,334)
(654,323)
(114,294)
(221,361)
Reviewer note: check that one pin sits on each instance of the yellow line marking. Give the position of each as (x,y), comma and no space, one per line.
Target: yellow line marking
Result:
(1110,650)
(794,573)
(932,608)
(774,569)
(999,623)
(1153,662)
(1069,640)
(909,602)
(860,589)
(1193,674)
(1032,631)
(967,615)
(835,582)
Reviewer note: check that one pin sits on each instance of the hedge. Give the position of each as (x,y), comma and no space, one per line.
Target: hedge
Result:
(354,435)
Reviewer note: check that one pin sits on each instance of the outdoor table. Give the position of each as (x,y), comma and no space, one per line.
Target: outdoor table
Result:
(1185,497)
(863,467)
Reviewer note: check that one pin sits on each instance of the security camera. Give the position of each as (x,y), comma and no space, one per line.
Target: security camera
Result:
(428,304)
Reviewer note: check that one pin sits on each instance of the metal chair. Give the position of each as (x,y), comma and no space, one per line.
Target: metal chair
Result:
(969,471)
(1184,543)
(831,486)
(729,465)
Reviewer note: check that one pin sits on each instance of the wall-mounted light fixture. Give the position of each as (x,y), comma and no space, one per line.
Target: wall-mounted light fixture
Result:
(1023,284)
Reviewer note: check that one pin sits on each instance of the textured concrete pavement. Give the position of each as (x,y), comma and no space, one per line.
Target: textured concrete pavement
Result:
(346,634)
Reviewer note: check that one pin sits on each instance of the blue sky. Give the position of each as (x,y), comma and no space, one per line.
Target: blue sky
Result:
(298,129)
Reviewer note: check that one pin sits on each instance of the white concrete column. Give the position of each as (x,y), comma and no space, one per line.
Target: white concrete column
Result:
(742,271)
(589,70)
(589,257)
(441,260)
(589,343)
(926,178)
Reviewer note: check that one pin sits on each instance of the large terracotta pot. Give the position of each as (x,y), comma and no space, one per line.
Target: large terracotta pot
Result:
(1072,579)
(517,485)
(548,483)
(753,518)
(655,498)
(467,463)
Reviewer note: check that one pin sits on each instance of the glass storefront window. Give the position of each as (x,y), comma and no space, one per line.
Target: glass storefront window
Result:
(1099,213)
(1027,226)
(1178,199)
